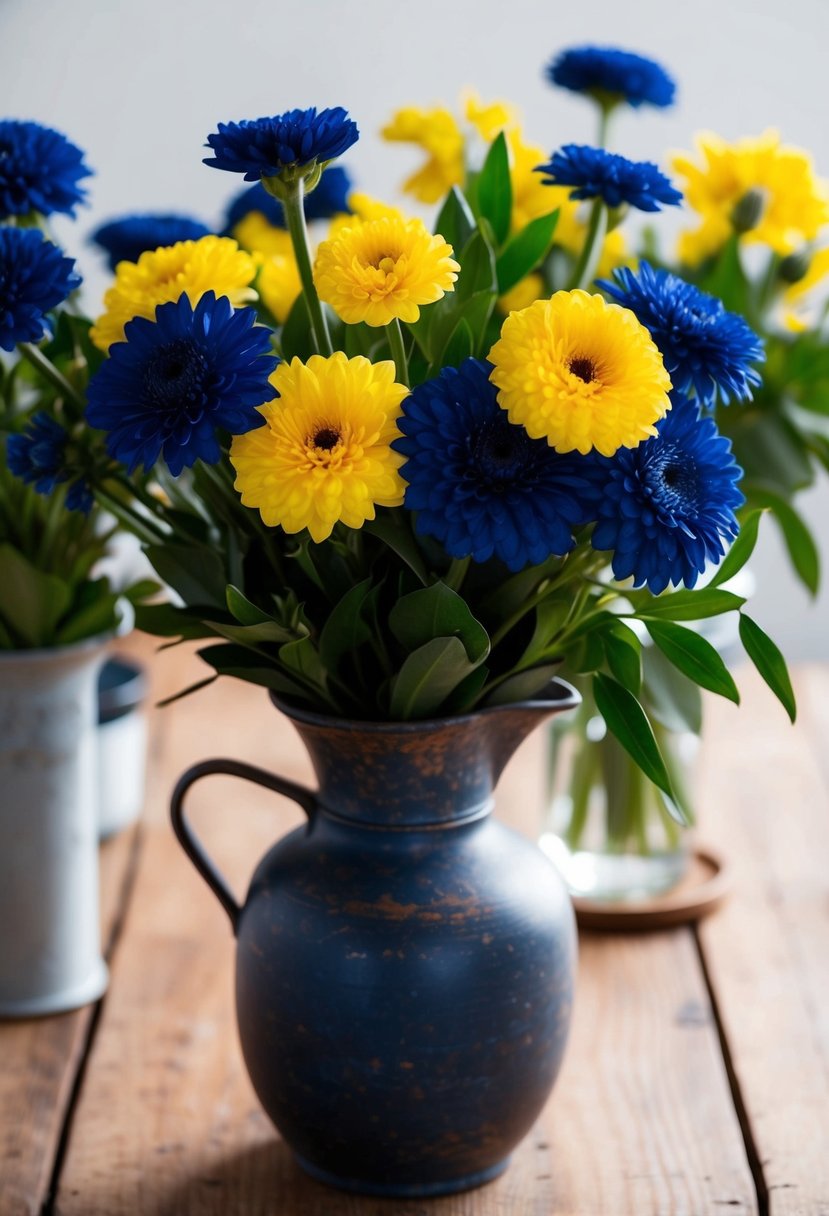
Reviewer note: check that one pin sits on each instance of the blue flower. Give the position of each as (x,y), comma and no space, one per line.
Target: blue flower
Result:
(595,173)
(178,380)
(39,170)
(34,277)
(38,455)
(478,483)
(706,350)
(124,240)
(666,507)
(329,197)
(267,147)
(611,75)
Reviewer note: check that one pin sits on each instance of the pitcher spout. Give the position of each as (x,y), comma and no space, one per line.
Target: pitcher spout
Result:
(509,725)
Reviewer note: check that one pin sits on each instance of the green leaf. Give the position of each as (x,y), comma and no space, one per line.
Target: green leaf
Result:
(230,660)
(771,452)
(142,590)
(31,602)
(428,676)
(195,572)
(802,548)
(624,655)
(495,189)
(687,605)
(465,697)
(167,621)
(302,657)
(98,616)
(455,222)
(695,657)
(523,685)
(525,251)
(628,721)
(740,551)
(240,607)
(671,698)
(296,338)
(459,346)
(253,636)
(769,662)
(393,530)
(346,628)
(438,612)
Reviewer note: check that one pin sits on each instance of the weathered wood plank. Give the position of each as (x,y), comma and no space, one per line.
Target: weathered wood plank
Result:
(764,798)
(641,1121)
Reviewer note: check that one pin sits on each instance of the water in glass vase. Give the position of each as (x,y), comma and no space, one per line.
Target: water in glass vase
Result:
(608,828)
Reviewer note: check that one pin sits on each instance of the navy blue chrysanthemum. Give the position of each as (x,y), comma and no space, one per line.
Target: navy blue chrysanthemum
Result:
(178,380)
(706,350)
(328,198)
(125,239)
(34,278)
(479,484)
(39,170)
(666,507)
(38,455)
(595,173)
(267,147)
(612,75)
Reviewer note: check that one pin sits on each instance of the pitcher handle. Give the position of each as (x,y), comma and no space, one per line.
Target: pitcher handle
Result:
(191,844)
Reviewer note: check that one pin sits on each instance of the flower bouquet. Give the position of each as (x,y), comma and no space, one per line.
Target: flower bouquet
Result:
(404,502)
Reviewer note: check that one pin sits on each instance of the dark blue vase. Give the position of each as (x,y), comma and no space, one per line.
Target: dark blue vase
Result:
(405,962)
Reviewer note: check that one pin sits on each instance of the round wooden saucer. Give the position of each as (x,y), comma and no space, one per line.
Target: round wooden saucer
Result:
(703,888)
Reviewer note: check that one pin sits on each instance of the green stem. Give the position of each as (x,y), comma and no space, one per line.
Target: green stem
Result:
(585,270)
(769,285)
(398,350)
(457,573)
(141,526)
(47,369)
(605,112)
(295,218)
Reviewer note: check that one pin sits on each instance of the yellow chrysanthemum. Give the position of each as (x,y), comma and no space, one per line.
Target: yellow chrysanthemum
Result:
(530,197)
(488,118)
(523,294)
(437,132)
(279,283)
(325,453)
(580,373)
(795,202)
(213,263)
(255,233)
(382,269)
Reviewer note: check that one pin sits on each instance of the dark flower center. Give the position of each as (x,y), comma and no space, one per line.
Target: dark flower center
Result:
(175,379)
(673,482)
(500,455)
(326,438)
(584,368)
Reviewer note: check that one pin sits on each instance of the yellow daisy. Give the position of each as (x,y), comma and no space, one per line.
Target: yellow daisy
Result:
(324,455)
(437,132)
(580,373)
(530,198)
(279,283)
(795,202)
(255,233)
(212,263)
(382,269)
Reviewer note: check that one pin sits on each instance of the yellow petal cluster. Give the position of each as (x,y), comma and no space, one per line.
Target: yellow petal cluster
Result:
(488,118)
(530,198)
(255,233)
(580,373)
(212,263)
(324,455)
(795,201)
(382,269)
(363,207)
(438,134)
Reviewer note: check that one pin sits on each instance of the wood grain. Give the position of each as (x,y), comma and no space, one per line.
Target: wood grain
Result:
(764,797)
(641,1121)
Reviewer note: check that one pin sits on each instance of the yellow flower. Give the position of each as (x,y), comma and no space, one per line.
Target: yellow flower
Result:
(530,198)
(279,283)
(324,454)
(795,203)
(580,373)
(489,118)
(255,233)
(382,269)
(363,207)
(212,263)
(437,132)
(614,253)
(522,295)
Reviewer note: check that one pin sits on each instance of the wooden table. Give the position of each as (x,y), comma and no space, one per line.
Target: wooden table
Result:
(697,1075)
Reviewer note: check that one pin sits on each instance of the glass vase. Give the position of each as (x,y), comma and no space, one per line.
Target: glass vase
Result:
(608,829)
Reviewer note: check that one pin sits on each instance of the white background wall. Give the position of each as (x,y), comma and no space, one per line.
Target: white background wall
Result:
(139,84)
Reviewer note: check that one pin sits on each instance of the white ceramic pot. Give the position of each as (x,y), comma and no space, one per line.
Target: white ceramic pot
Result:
(122,745)
(50,948)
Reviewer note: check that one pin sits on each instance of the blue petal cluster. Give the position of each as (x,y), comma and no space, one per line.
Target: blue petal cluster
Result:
(595,173)
(39,170)
(34,278)
(125,239)
(179,379)
(666,507)
(479,484)
(328,198)
(266,147)
(613,74)
(706,350)
(38,456)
